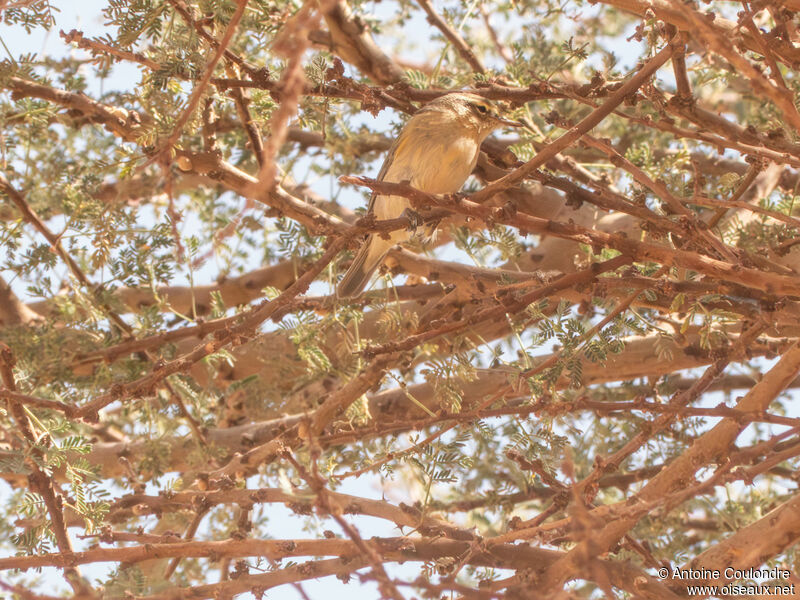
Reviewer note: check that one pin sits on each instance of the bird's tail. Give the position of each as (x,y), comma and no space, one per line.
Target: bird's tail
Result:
(366,260)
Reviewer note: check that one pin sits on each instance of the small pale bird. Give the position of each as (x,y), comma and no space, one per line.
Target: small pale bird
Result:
(435,152)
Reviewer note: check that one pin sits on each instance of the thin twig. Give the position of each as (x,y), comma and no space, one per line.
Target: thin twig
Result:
(199,89)
(452,36)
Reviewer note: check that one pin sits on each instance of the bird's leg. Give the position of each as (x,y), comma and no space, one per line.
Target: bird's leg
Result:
(454,199)
(414,219)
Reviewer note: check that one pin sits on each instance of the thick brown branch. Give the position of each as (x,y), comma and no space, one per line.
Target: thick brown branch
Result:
(249,321)
(710,445)
(350,39)
(12,311)
(726,28)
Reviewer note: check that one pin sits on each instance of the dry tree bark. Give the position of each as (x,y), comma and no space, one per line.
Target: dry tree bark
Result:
(543,389)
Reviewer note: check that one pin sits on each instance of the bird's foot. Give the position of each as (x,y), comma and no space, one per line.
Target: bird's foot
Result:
(414,219)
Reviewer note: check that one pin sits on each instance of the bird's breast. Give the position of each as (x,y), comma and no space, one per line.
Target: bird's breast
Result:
(434,160)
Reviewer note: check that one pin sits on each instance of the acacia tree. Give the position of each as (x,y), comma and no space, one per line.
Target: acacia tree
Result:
(577,384)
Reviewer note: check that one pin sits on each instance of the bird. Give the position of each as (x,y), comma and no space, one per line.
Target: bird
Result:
(435,153)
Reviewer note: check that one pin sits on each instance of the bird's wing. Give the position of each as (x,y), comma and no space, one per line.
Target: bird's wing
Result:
(401,140)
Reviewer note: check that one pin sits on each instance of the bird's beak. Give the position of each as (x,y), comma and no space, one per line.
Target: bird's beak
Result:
(509,122)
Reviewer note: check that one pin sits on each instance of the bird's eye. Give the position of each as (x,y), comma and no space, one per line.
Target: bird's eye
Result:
(481,108)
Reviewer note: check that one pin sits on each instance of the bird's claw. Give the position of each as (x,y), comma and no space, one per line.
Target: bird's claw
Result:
(414,219)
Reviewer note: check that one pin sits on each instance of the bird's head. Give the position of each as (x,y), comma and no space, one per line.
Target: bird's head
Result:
(471,111)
